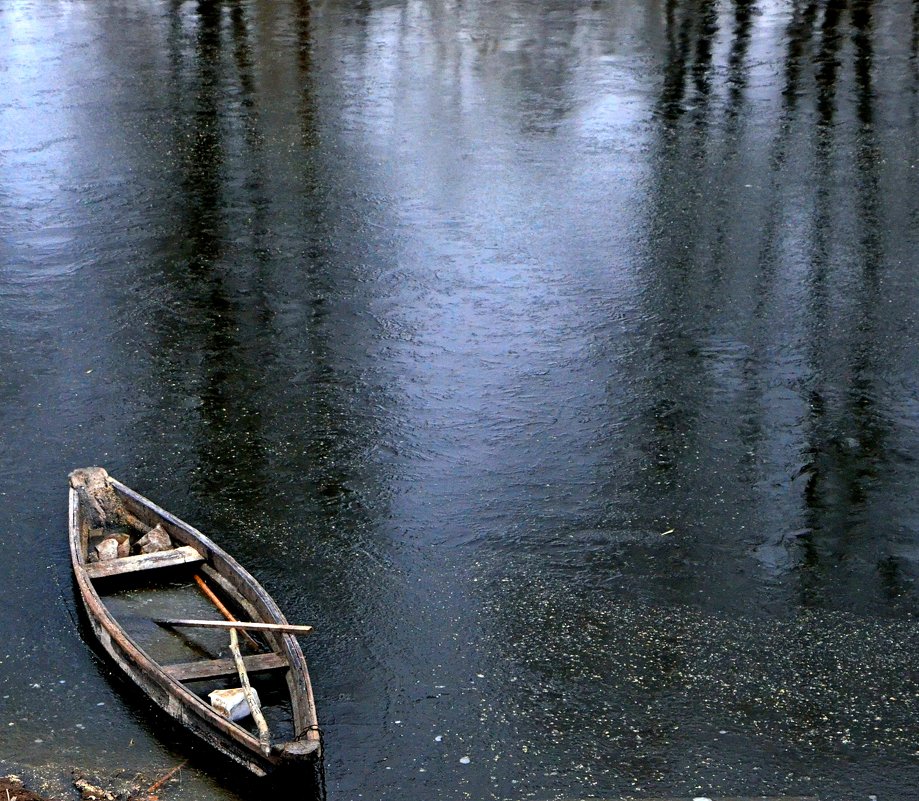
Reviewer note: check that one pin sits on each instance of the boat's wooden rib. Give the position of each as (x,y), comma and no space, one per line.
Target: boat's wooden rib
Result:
(164,684)
(148,561)
(218,668)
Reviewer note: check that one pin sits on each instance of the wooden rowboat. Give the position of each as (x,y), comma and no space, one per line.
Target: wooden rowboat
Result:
(193,568)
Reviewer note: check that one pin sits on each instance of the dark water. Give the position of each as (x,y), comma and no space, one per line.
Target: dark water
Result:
(557,361)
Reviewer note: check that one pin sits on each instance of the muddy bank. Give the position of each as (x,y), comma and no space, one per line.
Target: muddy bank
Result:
(13,788)
(120,786)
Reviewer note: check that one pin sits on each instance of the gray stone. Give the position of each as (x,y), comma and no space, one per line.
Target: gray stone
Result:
(156,539)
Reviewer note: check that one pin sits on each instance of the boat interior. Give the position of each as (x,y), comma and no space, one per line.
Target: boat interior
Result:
(199,658)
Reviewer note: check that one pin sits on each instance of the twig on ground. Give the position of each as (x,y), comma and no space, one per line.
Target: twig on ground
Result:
(164,778)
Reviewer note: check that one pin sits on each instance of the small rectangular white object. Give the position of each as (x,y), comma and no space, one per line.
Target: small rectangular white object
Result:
(232,703)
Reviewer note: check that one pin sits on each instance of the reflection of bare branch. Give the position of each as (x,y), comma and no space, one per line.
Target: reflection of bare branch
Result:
(798,34)
(862,25)
(827,59)
(914,42)
(737,67)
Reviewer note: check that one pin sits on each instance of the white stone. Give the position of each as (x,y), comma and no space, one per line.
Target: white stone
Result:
(232,703)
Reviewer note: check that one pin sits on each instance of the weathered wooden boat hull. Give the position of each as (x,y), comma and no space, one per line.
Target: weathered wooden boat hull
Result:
(166,691)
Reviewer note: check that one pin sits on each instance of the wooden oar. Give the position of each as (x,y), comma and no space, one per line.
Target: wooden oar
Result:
(280,628)
(264,736)
(209,594)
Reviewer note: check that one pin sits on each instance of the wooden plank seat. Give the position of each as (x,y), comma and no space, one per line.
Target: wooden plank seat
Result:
(214,668)
(148,561)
